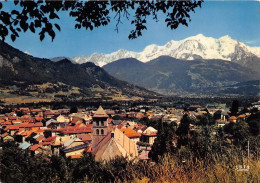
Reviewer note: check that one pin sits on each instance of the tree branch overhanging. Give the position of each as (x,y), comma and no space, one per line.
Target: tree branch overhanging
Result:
(41,15)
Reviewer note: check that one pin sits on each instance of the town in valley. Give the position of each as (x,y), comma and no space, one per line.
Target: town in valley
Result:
(107,133)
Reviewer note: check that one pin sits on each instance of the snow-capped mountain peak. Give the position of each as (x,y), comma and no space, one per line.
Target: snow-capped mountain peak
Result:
(194,47)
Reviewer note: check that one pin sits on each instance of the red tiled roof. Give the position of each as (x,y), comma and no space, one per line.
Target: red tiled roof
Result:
(79,130)
(34,147)
(13,127)
(12,118)
(233,117)
(31,125)
(109,120)
(75,129)
(220,121)
(46,143)
(49,139)
(130,132)
(85,137)
(56,130)
(7,123)
(40,130)
(150,135)
(242,116)
(39,118)
(89,148)
(51,113)
(26,133)
(75,156)
(110,112)
(122,115)
(4,135)
(20,132)
(40,138)
(17,121)
(36,110)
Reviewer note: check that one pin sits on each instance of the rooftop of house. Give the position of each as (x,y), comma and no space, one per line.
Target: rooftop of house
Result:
(85,137)
(242,116)
(4,135)
(130,132)
(34,147)
(49,139)
(233,118)
(77,156)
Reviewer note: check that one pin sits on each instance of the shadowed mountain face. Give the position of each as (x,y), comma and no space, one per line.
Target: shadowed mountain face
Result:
(191,48)
(168,75)
(18,68)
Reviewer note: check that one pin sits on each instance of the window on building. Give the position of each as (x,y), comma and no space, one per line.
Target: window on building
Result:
(97,131)
(97,123)
(102,132)
(102,123)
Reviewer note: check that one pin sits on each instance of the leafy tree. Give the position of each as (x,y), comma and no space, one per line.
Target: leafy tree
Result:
(234,107)
(73,109)
(183,131)
(164,141)
(217,115)
(254,123)
(117,117)
(59,168)
(205,142)
(119,169)
(206,119)
(13,163)
(239,132)
(41,15)
(88,169)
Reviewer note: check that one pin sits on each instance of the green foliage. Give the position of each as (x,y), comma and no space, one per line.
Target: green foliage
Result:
(239,132)
(183,131)
(42,16)
(117,117)
(206,119)
(164,141)
(234,107)
(155,123)
(254,123)
(73,109)
(18,166)
(88,169)
(183,166)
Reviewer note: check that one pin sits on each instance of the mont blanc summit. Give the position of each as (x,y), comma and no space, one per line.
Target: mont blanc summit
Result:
(191,48)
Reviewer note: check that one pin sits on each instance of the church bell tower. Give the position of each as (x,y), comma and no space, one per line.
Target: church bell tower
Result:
(100,126)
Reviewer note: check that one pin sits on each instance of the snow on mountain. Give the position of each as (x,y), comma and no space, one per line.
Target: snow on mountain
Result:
(195,47)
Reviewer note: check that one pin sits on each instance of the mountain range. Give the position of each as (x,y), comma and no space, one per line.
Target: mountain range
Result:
(191,48)
(22,70)
(170,76)
(197,65)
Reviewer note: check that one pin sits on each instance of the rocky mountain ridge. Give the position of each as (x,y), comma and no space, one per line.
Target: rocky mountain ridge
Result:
(21,70)
(170,76)
(191,48)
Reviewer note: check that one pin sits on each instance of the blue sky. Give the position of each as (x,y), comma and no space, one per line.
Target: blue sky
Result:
(238,19)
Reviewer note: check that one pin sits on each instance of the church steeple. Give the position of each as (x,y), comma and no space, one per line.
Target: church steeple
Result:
(100,113)
(100,126)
